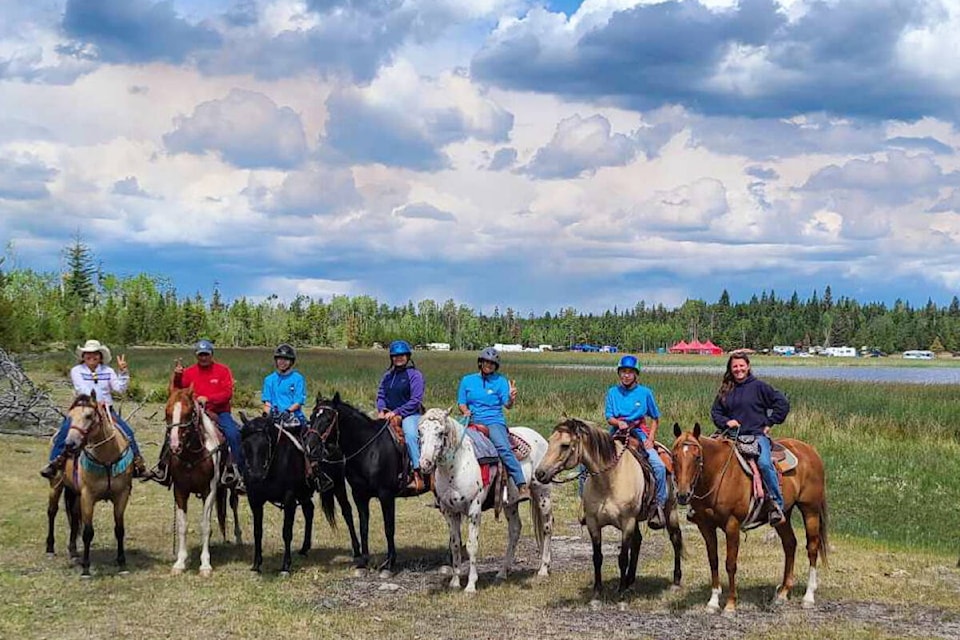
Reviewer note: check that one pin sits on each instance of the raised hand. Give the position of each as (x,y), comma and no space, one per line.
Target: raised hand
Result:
(178,366)
(122,363)
(513,390)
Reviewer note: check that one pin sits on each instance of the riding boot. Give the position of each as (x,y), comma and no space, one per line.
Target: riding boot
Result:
(775,515)
(522,494)
(657,520)
(160,473)
(139,467)
(417,483)
(55,465)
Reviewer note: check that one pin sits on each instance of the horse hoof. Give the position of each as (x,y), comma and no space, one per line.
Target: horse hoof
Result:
(284,574)
(123,572)
(303,552)
(51,555)
(206,573)
(176,571)
(778,602)
(595,603)
(729,613)
(359,573)
(501,576)
(445,570)
(808,604)
(713,608)
(85,576)
(674,588)
(470,591)
(386,574)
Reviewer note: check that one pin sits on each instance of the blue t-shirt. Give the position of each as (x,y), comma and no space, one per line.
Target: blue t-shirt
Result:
(631,405)
(284,390)
(484,397)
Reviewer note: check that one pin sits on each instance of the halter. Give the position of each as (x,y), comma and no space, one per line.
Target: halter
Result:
(579,461)
(334,424)
(195,423)
(104,418)
(449,455)
(697,476)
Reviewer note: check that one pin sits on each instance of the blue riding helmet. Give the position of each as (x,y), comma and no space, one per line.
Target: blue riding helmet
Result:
(203,346)
(400,348)
(629,362)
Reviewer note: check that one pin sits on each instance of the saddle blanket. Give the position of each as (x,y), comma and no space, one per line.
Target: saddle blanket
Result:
(483,448)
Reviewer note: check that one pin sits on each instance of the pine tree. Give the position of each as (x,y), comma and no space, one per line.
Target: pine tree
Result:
(78,281)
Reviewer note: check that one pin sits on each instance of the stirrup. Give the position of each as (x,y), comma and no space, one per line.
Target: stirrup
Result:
(658,519)
(231,475)
(776,516)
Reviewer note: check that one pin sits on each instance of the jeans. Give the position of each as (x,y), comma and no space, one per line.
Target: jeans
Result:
(412,438)
(60,439)
(659,470)
(231,431)
(500,438)
(767,472)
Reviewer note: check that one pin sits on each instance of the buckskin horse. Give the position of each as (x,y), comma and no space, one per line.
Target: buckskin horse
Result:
(613,495)
(196,465)
(711,480)
(373,465)
(446,448)
(277,473)
(102,471)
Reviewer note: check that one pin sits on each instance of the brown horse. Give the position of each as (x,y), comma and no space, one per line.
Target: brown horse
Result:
(613,494)
(709,478)
(102,471)
(195,468)
(53,506)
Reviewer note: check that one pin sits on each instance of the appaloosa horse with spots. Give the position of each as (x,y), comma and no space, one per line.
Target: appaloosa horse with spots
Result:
(447,451)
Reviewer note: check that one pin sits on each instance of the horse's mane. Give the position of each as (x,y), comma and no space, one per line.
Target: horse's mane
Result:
(351,410)
(598,441)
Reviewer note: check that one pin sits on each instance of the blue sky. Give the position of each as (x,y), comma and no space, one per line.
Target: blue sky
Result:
(509,153)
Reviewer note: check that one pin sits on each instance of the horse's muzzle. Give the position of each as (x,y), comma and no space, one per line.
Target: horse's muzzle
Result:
(683,499)
(542,475)
(426,466)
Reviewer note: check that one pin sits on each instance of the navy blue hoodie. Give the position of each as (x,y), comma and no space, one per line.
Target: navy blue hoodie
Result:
(749,402)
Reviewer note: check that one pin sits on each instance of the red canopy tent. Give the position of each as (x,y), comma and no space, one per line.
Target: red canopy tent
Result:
(711,348)
(680,347)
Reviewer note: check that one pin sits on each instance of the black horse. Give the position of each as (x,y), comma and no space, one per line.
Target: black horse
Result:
(277,473)
(373,465)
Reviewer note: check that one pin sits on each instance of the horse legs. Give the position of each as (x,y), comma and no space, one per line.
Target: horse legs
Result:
(340,491)
(388,506)
(814,526)
(53,505)
(72,506)
(234,503)
(119,506)
(789,541)
(732,534)
(513,536)
(676,539)
(86,515)
(363,512)
(541,508)
(473,535)
(709,533)
(289,513)
(635,543)
(256,507)
(181,498)
(307,506)
(208,502)
(221,506)
(453,522)
(595,540)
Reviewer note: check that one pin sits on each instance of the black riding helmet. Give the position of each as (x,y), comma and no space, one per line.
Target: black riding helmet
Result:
(285,351)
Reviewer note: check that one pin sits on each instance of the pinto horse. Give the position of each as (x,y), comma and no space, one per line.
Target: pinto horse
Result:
(613,494)
(373,466)
(446,447)
(710,479)
(195,468)
(102,471)
(277,473)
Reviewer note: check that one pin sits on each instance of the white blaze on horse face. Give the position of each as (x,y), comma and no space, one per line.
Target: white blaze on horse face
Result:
(175,431)
(429,443)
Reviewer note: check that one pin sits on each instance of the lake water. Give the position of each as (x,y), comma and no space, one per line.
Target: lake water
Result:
(910,375)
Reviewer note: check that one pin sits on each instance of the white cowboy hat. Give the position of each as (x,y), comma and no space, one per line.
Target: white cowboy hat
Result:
(92,346)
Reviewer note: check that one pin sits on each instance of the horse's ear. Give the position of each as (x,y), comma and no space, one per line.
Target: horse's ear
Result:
(336,397)
(244,419)
(696,430)
(563,415)
(676,430)
(319,398)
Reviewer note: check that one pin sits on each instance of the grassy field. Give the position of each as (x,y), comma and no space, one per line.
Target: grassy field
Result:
(892,454)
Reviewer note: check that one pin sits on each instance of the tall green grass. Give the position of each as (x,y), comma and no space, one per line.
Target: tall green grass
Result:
(892,451)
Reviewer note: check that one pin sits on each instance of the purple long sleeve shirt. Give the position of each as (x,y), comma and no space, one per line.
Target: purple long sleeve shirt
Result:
(401,391)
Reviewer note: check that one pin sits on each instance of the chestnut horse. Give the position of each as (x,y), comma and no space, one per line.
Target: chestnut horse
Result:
(709,478)
(102,471)
(613,494)
(195,468)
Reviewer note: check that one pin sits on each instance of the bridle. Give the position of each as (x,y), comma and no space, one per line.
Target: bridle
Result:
(576,450)
(335,425)
(698,460)
(194,424)
(103,418)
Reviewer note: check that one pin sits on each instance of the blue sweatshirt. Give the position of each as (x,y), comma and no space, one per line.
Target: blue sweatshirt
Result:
(285,390)
(753,403)
(401,391)
(631,405)
(485,397)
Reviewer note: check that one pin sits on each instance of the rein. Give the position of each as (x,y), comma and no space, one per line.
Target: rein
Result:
(699,475)
(335,424)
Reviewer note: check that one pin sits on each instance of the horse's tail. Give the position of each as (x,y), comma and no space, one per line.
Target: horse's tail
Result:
(327,504)
(824,541)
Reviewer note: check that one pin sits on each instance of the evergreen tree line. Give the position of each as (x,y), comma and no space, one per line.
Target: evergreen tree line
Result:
(37,309)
